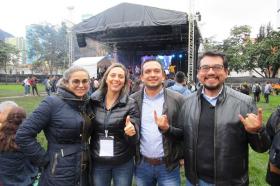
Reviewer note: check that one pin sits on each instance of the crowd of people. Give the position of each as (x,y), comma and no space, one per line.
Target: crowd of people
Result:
(110,130)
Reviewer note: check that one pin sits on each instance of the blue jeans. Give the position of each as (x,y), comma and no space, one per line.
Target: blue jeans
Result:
(149,175)
(26,89)
(121,174)
(200,183)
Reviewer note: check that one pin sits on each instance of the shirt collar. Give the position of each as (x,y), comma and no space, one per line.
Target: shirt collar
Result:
(211,98)
(155,96)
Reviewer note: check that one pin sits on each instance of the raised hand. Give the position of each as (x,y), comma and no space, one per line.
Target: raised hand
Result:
(129,129)
(161,121)
(252,123)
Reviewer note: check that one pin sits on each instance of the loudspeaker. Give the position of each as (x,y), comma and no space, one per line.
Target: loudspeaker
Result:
(81,40)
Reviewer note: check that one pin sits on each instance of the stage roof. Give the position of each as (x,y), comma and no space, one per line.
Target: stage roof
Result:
(137,27)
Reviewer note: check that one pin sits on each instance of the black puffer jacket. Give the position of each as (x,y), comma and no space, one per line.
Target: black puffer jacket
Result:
(113,120)
(60,119)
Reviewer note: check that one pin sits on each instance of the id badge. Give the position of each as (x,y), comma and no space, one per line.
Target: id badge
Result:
(106,146)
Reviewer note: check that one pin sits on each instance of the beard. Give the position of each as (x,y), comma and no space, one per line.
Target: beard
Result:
(213,87)
(153,87)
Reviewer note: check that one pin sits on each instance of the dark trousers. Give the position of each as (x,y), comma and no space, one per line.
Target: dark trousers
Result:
(256,97)
(34,88)
(266,97)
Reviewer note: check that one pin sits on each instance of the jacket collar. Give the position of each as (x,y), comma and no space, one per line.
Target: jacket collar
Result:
(221,97)
(70,98)
(98,96)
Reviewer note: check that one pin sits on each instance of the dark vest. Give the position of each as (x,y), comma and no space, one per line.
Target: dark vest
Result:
(205,150)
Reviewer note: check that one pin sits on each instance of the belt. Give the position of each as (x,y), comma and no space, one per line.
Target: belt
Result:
(154,161)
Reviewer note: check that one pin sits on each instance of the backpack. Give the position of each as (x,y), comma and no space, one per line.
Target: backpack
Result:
(258,89)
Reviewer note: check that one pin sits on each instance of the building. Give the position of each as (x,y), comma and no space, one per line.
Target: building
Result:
(19,43)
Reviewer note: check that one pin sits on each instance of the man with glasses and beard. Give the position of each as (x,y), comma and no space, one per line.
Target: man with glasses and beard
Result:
(218,124)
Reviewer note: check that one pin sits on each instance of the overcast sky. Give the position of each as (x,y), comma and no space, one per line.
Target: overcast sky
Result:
(218,16)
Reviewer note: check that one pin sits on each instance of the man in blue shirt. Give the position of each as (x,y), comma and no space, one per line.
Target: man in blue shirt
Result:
(159,151)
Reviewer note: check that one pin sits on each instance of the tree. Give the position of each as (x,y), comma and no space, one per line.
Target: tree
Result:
(48,44)
(264,53)
(8,55)
(234,47)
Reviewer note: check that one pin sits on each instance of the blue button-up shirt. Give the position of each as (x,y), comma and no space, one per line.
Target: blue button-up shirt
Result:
(151,139)
(211,100)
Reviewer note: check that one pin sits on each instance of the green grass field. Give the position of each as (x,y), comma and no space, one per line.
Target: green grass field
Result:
(257,163)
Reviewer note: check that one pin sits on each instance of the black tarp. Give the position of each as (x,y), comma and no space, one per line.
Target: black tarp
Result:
(128,15)
(133,31)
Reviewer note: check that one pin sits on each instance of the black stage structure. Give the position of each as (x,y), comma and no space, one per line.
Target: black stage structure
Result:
(133,31)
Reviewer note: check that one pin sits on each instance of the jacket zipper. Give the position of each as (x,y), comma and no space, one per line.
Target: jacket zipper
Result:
(54,163)
(196,139)
(215,134)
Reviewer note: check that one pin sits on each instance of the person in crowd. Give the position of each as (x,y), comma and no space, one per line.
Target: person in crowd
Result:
(245,88)
(192,86)
(180,85)
(216,134)
(26,84)
(15,167)
(272,127)
(53,83)
(256,90)
(5,107)
(267,91)
(33,84)
(115,131)
(47,83)
(160,148)
(66,125)
(172,70)
(137,71)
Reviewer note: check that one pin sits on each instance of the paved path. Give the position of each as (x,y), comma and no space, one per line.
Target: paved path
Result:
(14,97)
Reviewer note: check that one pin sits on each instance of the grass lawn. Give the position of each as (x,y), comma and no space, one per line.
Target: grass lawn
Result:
(16,89)
(257,162)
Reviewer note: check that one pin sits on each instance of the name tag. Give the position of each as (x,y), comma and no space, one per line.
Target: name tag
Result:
(106,146)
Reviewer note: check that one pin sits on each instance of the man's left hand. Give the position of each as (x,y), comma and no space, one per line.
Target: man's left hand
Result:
(252,123)
(161,121)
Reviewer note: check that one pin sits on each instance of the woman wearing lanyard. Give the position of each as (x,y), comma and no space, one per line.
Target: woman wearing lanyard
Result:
(115,129)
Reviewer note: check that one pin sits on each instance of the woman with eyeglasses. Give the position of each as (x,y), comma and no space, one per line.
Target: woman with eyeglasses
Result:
(115,129)
(66,125)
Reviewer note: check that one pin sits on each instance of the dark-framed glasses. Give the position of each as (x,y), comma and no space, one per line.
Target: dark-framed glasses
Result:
(77,82)
(215,68)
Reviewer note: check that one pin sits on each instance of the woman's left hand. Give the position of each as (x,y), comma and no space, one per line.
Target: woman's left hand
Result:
(129,128)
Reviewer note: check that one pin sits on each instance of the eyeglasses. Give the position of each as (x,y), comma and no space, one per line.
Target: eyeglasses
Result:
(77,82)
(215,68)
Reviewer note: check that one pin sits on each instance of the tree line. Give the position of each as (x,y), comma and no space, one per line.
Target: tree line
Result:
(260,54)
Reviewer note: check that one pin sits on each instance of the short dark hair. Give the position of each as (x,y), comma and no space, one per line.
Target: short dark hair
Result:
(180,77)
(152,60)
(214,54)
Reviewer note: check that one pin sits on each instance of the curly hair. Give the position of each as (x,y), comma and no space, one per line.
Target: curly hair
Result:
(9,127)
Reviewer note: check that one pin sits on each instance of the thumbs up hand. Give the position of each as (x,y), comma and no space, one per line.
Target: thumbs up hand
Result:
(129,129)
(252,123)
(161,121)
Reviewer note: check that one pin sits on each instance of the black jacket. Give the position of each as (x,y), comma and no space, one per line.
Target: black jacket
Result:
(172,144)
(60,119)
(113,120)
(230,137)
(273,130)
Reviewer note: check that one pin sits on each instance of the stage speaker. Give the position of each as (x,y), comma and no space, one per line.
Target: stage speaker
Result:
(81,40)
